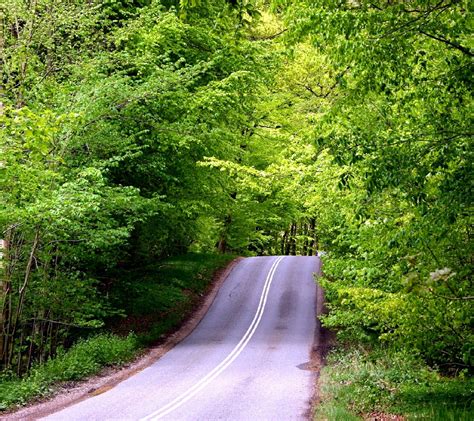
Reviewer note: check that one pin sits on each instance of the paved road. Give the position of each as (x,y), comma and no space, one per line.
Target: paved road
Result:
(246,360)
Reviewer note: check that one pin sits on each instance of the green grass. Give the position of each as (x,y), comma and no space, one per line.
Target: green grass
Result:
(165,284)
(162,297)
(444,399)
(358,381)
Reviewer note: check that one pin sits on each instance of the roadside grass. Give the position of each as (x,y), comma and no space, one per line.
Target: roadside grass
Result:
(357,382)
(168,292)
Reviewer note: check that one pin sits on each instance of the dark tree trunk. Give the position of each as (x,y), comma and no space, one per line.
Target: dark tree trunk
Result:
(222,244)
(305,243)
(293,239)
(312,234)
(283,242)
(288,243)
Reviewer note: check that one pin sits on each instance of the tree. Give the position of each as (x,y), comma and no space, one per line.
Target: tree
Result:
(109,107)
(400,132)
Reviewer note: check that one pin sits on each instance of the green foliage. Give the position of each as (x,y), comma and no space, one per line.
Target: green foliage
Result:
(359,381)
(136,130)
(163,295)
(86,357)
(107,109)
(384,88)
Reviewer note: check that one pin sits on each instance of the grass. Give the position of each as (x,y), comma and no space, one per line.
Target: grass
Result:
(359,381)
(162,297)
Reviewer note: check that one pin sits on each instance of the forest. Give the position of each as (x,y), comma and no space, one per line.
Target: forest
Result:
(138,131)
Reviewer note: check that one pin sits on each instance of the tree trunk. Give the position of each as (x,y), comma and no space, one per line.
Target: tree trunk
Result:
(305,243)
(22,294)
(288,243)
(222,244)
(312,234)
(5,283)
(283,243)
(5,291)
(294,227)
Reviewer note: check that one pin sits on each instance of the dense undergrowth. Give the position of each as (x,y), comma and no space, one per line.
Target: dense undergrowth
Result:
(171,289)
(359,382)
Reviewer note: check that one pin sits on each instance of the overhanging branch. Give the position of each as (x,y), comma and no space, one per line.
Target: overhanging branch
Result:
(453,44)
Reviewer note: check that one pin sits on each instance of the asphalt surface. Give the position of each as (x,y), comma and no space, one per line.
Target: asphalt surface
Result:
(246,360)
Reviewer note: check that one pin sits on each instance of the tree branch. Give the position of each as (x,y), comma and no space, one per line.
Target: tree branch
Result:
(423,15)
(57,322)
(453,44)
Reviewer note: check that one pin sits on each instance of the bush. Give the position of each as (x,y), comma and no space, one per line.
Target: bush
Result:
(436,328)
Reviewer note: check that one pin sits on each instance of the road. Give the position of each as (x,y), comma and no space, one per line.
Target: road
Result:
(246,360)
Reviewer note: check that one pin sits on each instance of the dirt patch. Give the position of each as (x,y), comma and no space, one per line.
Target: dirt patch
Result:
(65,395)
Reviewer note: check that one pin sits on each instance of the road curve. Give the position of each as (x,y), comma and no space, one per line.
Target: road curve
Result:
(246,360)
